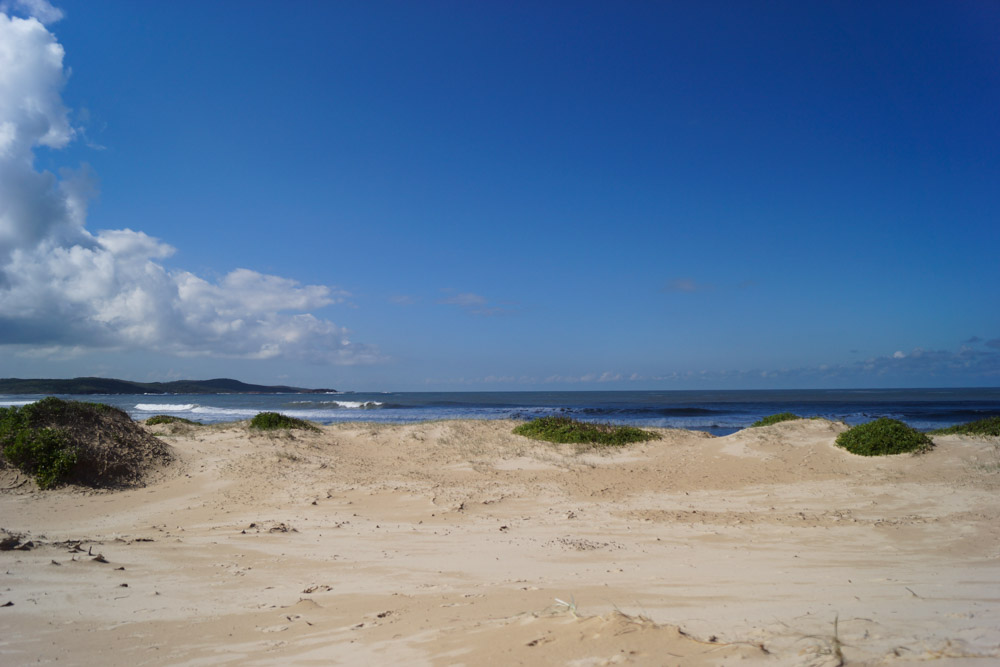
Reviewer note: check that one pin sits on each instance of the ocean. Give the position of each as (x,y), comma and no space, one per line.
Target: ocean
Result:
(717,412)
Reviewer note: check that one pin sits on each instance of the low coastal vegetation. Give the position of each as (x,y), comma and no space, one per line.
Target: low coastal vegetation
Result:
(882,437)
(566,430)
(273,421)
(775,419)
(988,426)
(60,442)
(169,419)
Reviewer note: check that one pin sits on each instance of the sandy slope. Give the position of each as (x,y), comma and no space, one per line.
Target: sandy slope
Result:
(450,543)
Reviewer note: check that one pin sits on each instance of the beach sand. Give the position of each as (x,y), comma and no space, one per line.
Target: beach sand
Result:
(453,543)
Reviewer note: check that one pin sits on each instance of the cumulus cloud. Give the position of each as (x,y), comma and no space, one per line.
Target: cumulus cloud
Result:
(64,289)
(39,9)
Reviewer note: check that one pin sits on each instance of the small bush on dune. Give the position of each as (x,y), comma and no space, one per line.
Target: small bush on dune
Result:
(93,444)
(271,421)
(882,437)
(775,419)
(45,453)
(167,419)
(988,426)
(566,430)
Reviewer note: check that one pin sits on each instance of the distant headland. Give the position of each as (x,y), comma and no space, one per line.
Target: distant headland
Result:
(112,386)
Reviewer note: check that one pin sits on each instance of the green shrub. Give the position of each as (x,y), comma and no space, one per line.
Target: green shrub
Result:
(270,421)
(167,419)
(988,426)
(882,437)
(43,452)
(566,430)
(775,419)
(61,442)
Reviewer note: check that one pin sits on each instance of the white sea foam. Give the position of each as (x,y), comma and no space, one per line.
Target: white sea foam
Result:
(356,405)
(165,407)
(347,405)
(10,404)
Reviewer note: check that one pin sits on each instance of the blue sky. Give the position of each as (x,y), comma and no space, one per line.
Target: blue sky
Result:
(446,195)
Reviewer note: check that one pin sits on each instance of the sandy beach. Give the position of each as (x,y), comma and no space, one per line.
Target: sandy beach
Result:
(459,543)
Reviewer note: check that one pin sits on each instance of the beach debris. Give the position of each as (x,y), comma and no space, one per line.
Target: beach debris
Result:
(7,604)
(322,588)
(833,646)
(270,527)
(582,544)
(9,540)
(17,482)
(570,606)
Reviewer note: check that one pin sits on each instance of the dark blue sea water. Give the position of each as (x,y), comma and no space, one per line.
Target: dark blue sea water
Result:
(718,412)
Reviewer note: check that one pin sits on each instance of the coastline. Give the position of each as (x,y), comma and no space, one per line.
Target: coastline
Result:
(715,411)
(451,542)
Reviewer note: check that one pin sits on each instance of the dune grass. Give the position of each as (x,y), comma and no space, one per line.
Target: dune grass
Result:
(274,421)
(987,426)
(571,431)
(775,419)
(884,437)
(168,419)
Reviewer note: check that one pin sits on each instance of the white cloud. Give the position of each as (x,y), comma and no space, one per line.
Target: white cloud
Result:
(63,288)
(39,9)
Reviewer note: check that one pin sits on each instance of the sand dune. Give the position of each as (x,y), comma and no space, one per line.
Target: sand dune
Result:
(460,543)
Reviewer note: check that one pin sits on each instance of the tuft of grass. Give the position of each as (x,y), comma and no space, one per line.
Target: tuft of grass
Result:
(987,426)
(775,419)
(566,430)
(992,461)
(167,419)
(272,421)
(883,437)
